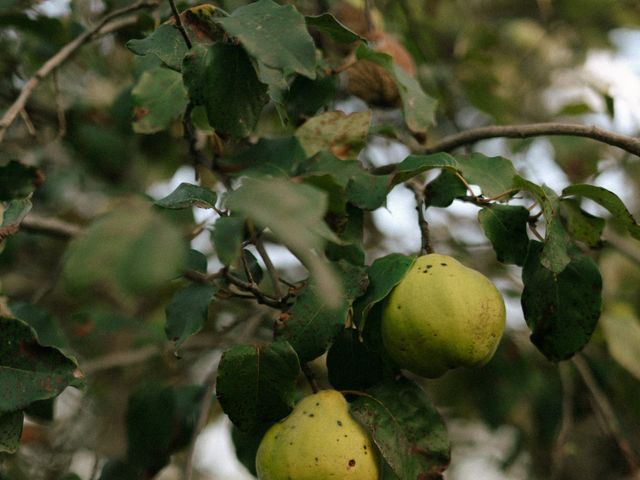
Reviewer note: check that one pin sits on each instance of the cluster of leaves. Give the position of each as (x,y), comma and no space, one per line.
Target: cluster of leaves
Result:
(305,189)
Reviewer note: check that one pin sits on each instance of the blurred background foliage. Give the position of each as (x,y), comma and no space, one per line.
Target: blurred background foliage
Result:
(103,297)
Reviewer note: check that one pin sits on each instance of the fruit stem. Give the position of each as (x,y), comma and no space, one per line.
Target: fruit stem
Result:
(311,377)
(418,191)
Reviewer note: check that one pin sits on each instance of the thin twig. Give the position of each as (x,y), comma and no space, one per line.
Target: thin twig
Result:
(54,227)
(259,295)
(568,394)
(418,191)
(179,24)
(602,404)
(273,272)
(203,416)
(59,58)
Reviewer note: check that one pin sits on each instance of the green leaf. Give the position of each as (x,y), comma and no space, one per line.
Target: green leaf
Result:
(274,35)
(188,311)
(48,329)
(306,97)
(582,225)
(246,445)
(330,26)
(13,215)
(608,200)
(18,180)
(29,371)
(41,410)
(165,42)
(227,237)
(554,256)
(494,175)
(384,274)
(187,196)
(222,79)
(270,156)
(10,431)
(294,213)
(129,251)
(621,328)
(254,274)
(256,384)
(506,227)
(418,108)
(351,365)
(158,98)
(160,421)
(444,189)
(70,476)
(406,428)
(121,470)
(561,309)
(197,261)
(363,189)
(341,134)
(312,324)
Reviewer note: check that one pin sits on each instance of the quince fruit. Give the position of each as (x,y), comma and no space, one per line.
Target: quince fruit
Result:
(442,315)
(318,440)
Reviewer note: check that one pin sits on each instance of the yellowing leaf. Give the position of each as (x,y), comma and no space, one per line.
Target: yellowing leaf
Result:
(341,134)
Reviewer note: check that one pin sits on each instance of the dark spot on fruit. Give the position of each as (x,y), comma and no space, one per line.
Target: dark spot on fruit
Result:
(429,266)
(352,463)
(443,264)
(364,446)
(346,436)
(316,459)
(290,443)
(311,415)
(399,307)
(317,404)
(339,423)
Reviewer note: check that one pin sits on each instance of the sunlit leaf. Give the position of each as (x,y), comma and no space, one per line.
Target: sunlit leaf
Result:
(336,132)
(165,42)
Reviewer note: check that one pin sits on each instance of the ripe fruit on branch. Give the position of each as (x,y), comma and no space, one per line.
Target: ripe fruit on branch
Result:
(318,440)
(442,315)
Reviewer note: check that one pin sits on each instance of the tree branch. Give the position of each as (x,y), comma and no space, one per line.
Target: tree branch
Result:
(63,54)
(418,191)
(629,144)
(54,227)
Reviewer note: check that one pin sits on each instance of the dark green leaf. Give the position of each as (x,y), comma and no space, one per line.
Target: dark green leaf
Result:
(608,200)
(306,97)
(351,365)
(28,371)
(557,241)
(384,274)
(274,35)
(121,470)
(562,310)
(294,213)
(70,476)
(246,446)
(506,227)
(187,196)
(165,42)
(329,25)
(582,225)
(18,180)
(188,311)
(227,237)
(494,175)
(270,156)
(160,420)
(406,428)
(312,325)
(222,79)
(10,431)
(256,385)
(41,410)
(197,261)
(158,98)
(251,264)
(48,329)
(363,189)
(444,189)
